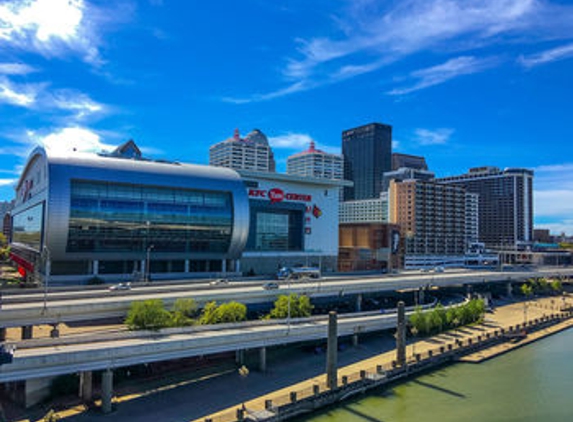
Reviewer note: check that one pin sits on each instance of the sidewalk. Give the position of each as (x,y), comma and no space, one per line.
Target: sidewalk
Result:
(504,317)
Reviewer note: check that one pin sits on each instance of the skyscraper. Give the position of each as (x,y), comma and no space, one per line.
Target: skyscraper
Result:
(249,153)
(315,163)
(367,152)
(505,204)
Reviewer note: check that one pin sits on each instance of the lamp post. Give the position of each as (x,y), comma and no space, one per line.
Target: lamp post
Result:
(47,270)
(149,248)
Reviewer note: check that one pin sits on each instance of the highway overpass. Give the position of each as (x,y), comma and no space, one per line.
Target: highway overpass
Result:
(75,306)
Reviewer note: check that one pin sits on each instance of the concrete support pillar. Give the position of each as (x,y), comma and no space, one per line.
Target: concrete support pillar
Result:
(263,359)
(332,352)
(96,268)
(240,357)
(421,296)
(359,302)
(355,339)
(509,289)
(401,335)
(187,266)
(224,266)
(238,266)
(55,331)
(106,390)
(27,332)
(86,386)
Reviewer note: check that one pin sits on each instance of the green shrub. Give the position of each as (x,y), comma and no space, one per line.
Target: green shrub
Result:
(148,315)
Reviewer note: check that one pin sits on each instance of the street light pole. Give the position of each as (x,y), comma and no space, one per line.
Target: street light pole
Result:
(147,263)
(47,270)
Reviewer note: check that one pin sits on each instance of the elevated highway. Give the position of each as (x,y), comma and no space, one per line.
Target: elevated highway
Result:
(42,358)
(72,306)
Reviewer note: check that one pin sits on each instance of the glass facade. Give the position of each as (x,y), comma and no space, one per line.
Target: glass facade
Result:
(276,228)
(27,227)
(114,217)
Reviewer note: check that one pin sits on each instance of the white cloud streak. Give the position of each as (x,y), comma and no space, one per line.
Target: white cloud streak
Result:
(433,137)
(371,35)
(15,69)
(70,139)
(7,182)
(553,197)
(548,56)
(453,68)
(21,95)
(290,141)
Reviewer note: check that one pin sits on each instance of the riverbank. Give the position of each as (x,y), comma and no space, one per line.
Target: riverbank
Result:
(375,371)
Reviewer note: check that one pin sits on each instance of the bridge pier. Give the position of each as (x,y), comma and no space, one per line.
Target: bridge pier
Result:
(332,352)
(355,339)
(359,302)
(55,331)
(106,390)
(263,359)
(86,386)
(421,296)
(27,332)
(240,357)
(401,335)
(509,289)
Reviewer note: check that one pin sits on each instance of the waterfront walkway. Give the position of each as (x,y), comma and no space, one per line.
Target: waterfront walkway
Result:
(217,395)
(503,317)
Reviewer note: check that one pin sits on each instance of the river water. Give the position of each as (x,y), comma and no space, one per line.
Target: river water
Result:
(531,384)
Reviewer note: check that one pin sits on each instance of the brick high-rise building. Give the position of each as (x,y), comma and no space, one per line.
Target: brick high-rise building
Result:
(367,152)
(432,217)
(505,204)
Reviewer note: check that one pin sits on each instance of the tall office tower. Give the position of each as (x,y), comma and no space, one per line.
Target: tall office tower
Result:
(408,161)
(431,216)
(505,204)
(315,163)
(367,152)
(249,153)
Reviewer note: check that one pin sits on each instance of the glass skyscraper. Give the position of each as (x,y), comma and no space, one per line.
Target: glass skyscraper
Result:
(367,152)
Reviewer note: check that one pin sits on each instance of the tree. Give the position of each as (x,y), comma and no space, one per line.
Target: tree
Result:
(227,312)
(300,307)
(183,312)
(147,315)
(209,314)
(418,320)
(526,290)
(556,286)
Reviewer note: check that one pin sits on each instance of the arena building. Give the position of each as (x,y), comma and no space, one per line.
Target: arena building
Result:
(120,216)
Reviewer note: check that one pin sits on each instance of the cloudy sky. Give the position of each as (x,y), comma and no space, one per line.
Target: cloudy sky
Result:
(464,83)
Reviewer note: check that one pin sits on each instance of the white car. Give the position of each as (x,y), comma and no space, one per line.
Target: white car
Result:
(219,282)
(120,286)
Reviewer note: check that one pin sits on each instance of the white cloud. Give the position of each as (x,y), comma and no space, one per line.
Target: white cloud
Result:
(441,73)
(77,102)
(553,197)
(554,203)
(50,27)
(547,56)
(15,69)
(433,137)
(71,139)
(369,35)
(290,141)
(7,182)
(22,95)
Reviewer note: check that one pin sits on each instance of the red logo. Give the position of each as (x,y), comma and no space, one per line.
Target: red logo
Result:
(317,212)
(276,195)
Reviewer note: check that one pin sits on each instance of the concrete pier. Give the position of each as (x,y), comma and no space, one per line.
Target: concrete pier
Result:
(359,302)
(27,332)
(106,390)
(263,359)
(86,386)
(332,352)
(401,335)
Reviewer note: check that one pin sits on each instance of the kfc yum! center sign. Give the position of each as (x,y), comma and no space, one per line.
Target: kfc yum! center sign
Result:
(276,195)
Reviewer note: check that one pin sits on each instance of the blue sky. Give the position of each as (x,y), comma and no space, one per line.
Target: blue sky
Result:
(464,83)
